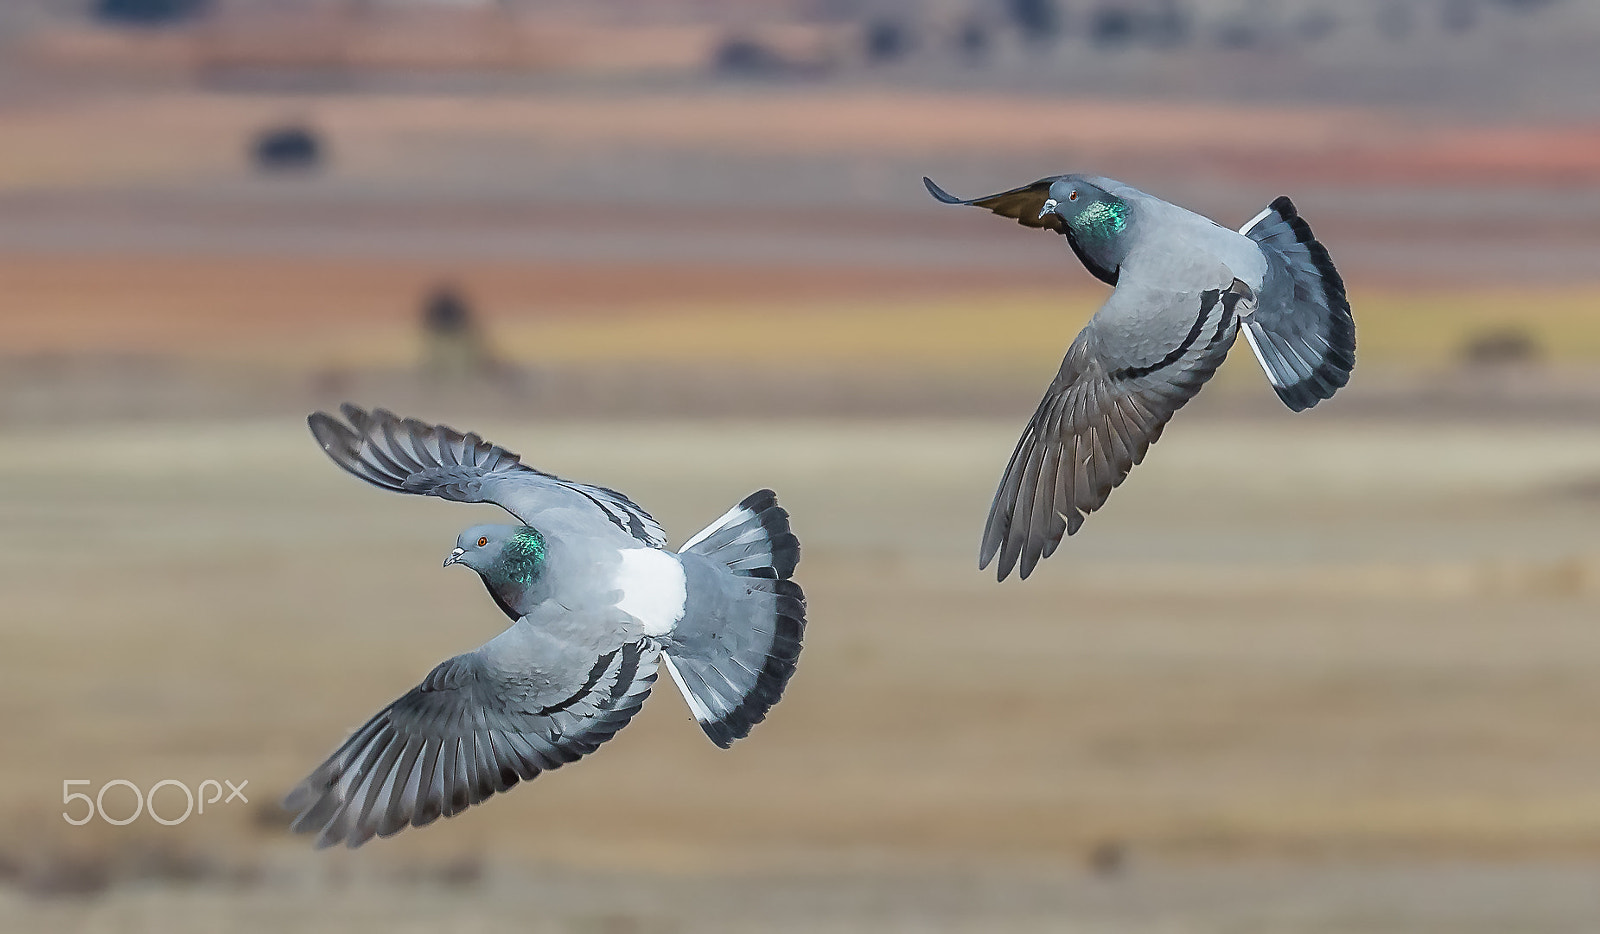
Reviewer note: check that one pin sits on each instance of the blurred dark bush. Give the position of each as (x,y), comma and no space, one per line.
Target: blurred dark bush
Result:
(1501,347)
(1526,6)
(1113,26)
(1160,23)
(1108,858)
(1037,20)
(446,312)
(973,40)
(146,12)
(456,347)
(743,57)
(290,148)
(887,40)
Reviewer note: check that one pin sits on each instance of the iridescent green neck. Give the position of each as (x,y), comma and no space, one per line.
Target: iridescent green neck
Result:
(1102,220)
(521,559)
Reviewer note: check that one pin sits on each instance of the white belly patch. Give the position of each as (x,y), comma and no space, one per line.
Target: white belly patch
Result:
(653,587)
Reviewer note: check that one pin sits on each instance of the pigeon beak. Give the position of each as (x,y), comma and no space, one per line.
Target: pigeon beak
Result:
(455,556)
(1049,207)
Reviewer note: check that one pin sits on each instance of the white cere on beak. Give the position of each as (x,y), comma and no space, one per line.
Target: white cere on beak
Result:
(1049,207)
(454,556)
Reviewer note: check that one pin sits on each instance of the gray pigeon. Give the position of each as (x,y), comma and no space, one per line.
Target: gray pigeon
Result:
(596,602)
(1184,285)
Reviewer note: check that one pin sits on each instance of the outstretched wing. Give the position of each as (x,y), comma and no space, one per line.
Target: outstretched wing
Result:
(409,456)
(525,702)
(1107,405)
(1022,204)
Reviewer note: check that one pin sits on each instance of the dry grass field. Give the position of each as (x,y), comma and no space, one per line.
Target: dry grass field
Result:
(1290,665)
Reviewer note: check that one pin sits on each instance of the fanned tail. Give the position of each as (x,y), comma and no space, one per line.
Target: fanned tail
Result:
(1307,348)
(734,654)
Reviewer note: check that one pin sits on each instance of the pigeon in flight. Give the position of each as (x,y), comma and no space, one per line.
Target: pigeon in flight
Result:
(596,602)
(1184,287)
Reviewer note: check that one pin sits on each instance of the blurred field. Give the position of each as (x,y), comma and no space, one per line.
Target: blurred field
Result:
(1319,643)
(362,313)
(1320,674)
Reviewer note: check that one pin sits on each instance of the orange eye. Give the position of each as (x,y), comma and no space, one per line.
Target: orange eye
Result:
(483,541)
(1073,196)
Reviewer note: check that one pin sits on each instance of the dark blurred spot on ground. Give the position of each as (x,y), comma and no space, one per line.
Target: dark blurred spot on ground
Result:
(611,923)
(973,40)
(147,12)
(1501,347)
(289,148)
(887,40)
(446,312)
(1038,20)
(746,57)
(147,860)
(66,876)
(1160,23)
(74,874)
(459,872)
(10,868)
(1108,858)
(454,345)
(456,348)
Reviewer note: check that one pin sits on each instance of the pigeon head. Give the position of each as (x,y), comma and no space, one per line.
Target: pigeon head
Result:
(502,554)
(1089,211)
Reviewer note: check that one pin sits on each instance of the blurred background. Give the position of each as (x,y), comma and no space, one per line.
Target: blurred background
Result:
(1328,672)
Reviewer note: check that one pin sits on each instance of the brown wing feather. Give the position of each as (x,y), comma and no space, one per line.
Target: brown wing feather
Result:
(1021,204)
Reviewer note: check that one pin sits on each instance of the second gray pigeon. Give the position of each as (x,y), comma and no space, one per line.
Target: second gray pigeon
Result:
(596,604)
(1184,287)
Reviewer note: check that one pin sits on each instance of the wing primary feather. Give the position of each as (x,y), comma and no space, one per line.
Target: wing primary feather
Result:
(999,510)
(1043,519)
(1021,533)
